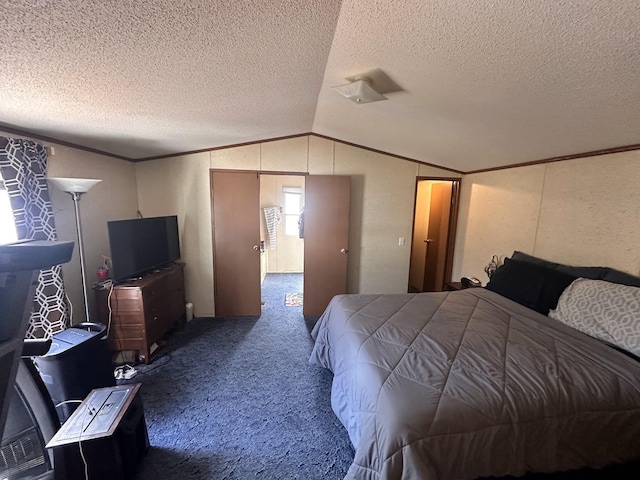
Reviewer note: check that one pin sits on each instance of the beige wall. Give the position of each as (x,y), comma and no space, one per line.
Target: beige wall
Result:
(582,212)
(579,212)
(113,198)
(180,186)
(382,197)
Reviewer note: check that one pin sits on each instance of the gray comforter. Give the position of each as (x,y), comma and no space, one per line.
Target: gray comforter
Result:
(458,385)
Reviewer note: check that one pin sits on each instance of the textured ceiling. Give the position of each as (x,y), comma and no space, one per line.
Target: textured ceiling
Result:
(471,84)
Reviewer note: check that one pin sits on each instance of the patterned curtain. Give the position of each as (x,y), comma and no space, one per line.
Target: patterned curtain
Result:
(23,165)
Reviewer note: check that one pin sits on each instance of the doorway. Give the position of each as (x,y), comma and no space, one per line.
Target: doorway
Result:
(435,219)
(282,199)
(235,223)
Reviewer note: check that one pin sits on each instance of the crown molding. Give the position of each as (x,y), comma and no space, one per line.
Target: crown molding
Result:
(44,138)
(575,156)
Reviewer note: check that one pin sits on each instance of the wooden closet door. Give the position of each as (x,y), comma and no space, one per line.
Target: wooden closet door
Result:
(326,240)
(236,239)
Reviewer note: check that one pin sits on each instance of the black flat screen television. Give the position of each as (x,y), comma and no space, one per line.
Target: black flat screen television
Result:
(141,245)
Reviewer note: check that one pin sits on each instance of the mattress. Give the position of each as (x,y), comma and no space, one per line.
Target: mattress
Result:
(466,384)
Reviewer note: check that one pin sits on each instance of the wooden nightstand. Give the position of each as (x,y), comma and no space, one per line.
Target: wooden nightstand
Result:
(452,286)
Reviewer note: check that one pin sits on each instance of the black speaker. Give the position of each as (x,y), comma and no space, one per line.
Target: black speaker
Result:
(77,362)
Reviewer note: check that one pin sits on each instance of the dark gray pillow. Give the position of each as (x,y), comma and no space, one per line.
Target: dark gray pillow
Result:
(530,284)
(594,273)
(616,276)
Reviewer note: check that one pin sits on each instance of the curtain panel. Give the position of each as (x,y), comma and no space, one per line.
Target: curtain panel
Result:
(23,166)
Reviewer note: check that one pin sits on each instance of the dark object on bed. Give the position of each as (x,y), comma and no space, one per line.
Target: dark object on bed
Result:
(594,273)
(530,284)
(623,278)
(468,384)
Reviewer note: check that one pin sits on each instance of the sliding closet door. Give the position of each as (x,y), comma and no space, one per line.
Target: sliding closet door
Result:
(236,239)
(326,240)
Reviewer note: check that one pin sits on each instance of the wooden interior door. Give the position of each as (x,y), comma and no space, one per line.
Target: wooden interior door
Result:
(236,239)
(437,236)
(326,240)
(420,233)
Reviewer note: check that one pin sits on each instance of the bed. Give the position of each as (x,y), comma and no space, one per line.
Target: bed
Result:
(486,381)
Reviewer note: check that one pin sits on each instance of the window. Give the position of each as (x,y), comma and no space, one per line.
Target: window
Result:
(7,226)
(292,208)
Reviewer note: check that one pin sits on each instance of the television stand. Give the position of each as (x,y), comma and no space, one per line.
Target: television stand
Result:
(143,310)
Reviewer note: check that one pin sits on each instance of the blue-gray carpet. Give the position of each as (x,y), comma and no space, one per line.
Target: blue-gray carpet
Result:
(235,398)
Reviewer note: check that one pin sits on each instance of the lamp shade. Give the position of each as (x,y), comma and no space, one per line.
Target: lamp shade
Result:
(74,185)
(359,91)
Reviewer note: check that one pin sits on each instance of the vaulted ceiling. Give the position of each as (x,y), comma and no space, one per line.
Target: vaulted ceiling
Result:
(471,84)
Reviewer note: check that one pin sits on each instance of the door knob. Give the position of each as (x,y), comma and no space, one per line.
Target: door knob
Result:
(256,248)
(428,240)
(344,251)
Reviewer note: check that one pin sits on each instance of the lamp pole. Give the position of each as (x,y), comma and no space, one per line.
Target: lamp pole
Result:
(76,187)
(76,205)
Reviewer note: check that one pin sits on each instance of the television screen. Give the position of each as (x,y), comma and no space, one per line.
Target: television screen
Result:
(142,244)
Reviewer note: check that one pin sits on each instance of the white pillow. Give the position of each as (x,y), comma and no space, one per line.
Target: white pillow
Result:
(604,310)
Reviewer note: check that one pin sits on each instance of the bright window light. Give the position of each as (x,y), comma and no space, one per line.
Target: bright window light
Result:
(7,226)
(292,209)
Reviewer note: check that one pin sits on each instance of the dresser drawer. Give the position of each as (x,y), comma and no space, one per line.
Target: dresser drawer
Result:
(143,310)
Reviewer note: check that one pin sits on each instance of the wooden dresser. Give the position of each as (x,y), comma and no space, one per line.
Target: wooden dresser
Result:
(143,310)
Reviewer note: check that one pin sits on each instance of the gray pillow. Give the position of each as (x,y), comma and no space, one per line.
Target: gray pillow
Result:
(604,310)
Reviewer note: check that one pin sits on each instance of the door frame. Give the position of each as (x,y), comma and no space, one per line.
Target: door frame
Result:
(212,217)
(453,221)
(290,174)
(258,173)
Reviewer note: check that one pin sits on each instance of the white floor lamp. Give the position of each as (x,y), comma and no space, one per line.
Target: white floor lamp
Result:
(76,187)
